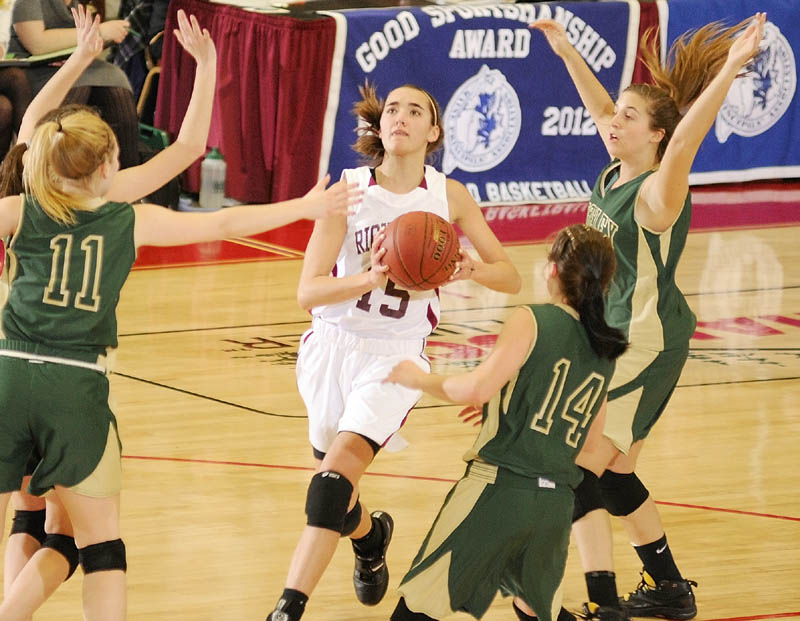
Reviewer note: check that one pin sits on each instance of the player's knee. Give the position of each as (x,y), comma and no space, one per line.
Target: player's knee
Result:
(65,546)
(587,496)
(30,523)
(622,493)
(105,556)
(327,500)
(352,519)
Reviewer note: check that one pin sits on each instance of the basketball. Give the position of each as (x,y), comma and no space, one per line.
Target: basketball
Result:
(422,250)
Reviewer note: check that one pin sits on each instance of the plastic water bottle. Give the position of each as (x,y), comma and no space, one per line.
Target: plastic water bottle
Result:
(212,180)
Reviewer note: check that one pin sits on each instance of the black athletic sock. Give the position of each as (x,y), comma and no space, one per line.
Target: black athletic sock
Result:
(369,545)
(566,615)
(293,603)
(563,615)
(402,613)
(657,560)
(602,587)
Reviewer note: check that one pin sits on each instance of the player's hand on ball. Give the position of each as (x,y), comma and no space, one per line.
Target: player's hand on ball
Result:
(406,374)
(472,414)
(377,270)
(465,267)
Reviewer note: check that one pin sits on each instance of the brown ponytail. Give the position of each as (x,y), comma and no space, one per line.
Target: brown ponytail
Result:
(585,261)
(693,60)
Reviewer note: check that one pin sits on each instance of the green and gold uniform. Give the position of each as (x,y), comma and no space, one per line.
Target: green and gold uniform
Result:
(645,303)
(58,329)
(505,525)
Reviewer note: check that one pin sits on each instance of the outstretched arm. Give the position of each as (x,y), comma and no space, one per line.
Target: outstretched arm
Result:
(592,93)
(664,194)
(133,183)
(89,45)
(156,226)
(484,381)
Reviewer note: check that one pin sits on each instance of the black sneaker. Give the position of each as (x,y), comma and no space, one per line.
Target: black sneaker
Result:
(669,599)
(593,612)
(371,576)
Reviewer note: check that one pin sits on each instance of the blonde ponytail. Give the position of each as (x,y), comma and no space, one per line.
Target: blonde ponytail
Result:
(66,152)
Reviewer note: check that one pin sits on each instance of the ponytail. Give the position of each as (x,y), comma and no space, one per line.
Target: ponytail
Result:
(368,111)
(11,183)
(11,171)
(64,152)
(585,261)
(693,60)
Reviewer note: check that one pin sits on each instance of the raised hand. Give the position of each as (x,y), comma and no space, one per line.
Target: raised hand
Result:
(334,201)
(195,40)
(555,34)
(745,46)
(90,43)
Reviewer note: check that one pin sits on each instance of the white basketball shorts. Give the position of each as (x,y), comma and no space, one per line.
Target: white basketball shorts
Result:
(340,378)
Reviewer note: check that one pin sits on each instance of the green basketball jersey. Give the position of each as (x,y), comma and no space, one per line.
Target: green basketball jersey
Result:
(65,281)
(538,422)
(643,300)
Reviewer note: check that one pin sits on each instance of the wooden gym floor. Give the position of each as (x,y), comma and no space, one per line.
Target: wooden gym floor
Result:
(216,458)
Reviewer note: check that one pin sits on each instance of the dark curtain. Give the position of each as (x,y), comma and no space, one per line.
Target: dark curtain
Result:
(272,87)
(648,19)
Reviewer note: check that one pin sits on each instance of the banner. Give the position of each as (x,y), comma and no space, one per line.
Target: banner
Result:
(755,134)
(515,128)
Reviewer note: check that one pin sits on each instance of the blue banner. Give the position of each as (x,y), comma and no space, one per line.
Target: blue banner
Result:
(755,135)
(515,128)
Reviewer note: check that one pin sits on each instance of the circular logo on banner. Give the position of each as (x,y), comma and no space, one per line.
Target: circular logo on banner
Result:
(759,99)
(482,121)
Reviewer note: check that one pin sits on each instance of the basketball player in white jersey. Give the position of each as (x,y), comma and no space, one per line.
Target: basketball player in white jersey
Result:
(363,325)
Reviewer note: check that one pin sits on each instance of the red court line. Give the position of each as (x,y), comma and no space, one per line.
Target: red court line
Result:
(780,615)
(443,480)
(707,508)
(278,467)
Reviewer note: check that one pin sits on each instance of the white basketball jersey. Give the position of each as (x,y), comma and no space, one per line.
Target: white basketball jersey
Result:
(390,312)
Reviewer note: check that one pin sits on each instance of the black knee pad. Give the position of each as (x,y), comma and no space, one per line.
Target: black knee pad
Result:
(31,523)
(327,500)
(587,495)
(622,493)
(64,545)
(105,556)
(352,519)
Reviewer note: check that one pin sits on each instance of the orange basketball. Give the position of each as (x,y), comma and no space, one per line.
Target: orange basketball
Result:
(421,250)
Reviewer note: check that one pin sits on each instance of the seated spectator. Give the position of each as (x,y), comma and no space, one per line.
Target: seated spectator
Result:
(42,26)
(147,18)
(15,91)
